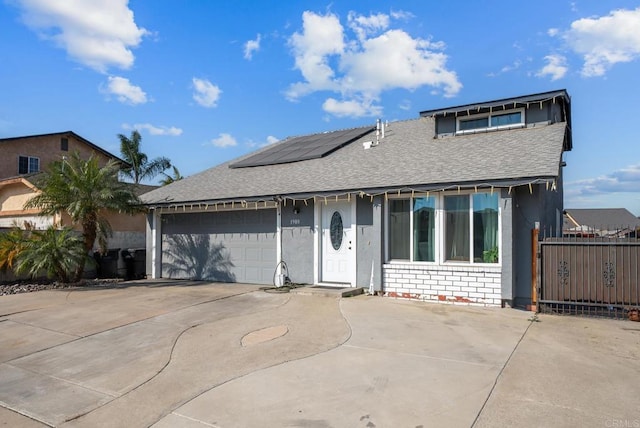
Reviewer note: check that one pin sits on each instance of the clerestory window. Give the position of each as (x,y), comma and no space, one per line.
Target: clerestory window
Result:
(492,121)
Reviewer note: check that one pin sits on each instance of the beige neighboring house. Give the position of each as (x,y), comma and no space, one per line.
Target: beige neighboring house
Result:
(22,158)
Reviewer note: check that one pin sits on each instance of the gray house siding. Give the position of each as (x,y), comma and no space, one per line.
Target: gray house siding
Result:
(551,112)
(297,241)
(539,207)
(506,249)
(369,242)
(527,213)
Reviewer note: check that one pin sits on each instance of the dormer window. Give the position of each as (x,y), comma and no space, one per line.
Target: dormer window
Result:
(490,121)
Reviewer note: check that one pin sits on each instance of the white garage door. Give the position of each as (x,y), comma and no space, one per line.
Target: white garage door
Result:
(233,246)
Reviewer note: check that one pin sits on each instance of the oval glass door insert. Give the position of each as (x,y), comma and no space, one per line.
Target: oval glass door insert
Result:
(336,229)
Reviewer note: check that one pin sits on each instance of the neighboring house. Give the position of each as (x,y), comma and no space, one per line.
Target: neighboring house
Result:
(437,208)
(22,158)
(600,222)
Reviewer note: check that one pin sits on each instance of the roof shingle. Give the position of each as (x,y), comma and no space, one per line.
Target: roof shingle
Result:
(407,156)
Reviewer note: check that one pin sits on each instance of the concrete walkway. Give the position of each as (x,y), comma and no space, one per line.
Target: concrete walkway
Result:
(213,355)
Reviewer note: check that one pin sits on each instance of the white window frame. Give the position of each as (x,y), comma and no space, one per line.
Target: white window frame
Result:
(489,116)
(29,160)
(440,231)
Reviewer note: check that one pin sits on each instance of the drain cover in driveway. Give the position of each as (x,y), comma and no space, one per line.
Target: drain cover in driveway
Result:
(264,335)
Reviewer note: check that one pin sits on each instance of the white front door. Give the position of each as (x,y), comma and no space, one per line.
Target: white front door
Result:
(338,243)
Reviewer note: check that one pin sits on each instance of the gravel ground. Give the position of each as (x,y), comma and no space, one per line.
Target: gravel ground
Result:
(29,287)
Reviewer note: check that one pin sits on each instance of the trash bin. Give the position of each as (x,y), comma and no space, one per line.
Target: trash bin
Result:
(135,262)
(129,264)
(107,263)
(140,263)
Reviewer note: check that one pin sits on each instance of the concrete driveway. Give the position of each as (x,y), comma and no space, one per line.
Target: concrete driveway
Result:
(212,355)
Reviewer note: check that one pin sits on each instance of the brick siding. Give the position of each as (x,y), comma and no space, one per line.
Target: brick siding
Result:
(468,285)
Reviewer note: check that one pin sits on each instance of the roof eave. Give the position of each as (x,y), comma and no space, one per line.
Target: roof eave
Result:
(369,192)
(501,102)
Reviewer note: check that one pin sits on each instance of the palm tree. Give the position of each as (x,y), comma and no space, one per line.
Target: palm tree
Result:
(170,179)
(12,243)
(140,167)
(86,192)
(57,252)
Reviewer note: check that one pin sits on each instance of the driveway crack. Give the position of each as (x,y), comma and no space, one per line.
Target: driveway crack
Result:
(504,366)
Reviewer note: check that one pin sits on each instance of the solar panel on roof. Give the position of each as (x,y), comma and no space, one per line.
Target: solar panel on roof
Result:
(303,148)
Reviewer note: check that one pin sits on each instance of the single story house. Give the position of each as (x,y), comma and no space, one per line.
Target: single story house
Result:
(600,222)
(436,208)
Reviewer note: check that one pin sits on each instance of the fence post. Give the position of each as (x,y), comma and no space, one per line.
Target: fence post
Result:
(535,232)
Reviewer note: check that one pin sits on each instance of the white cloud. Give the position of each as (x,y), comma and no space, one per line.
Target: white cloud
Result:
(605,41)
(396,60)
(621,188)
(155,130)
(507,68)
(125,91)
(97,33)
(556,67)
(205,93)
(364,26)
(361,68)
(351,108)
(401,15)
(271,139)
(623,180)
(405,105)
(251,46)
(552,32)
(224,140)
(321,37)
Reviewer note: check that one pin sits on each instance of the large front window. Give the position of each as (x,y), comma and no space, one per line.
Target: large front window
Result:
(456,228)
(450,228)
(399,227)
(424,229)
(485,228)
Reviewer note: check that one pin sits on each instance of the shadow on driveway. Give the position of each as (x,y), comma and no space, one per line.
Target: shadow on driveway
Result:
(228,355)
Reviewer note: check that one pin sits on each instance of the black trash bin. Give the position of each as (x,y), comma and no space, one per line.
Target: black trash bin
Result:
(129,263)
(140,263)
(107,263)
(135,262)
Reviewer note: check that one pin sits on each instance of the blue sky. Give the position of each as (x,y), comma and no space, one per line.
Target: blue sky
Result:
(207,81)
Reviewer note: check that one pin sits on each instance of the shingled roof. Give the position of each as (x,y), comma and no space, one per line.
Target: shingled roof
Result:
(598,218)
(407,157)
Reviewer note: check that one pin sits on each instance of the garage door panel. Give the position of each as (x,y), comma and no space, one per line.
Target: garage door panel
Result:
(252,274)
(253,254)
(202,247)
(262,221)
